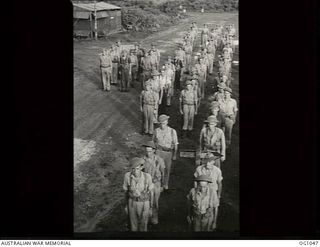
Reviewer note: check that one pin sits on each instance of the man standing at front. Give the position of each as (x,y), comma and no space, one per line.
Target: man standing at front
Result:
(154,165)
(115,57)
(138,186)
(188,107)
(148,104)
(212,139)
(166,141)
(106,69)
(199,204)
(229,111)
(124,67)
(209,169)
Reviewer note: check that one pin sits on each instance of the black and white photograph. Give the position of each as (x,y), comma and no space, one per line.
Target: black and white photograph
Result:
(156,116)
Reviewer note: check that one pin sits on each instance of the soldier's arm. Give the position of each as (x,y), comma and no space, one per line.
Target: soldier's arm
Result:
(175,145)
(161,95)
(189,204)
(219,182)
(200,139)
(235,110)
(162,170)
(196,102)
(125,183)
(180,103)
(141,101)
(223,146)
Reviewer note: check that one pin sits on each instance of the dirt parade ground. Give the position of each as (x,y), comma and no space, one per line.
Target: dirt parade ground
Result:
(107,134)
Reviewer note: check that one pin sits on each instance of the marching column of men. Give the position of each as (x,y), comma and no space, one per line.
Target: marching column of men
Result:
(188,73)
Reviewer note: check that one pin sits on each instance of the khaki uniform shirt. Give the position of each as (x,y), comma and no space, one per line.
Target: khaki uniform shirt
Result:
(213,172)
(200,201)
(105,61)
(188,97)
(114,56)
(146,63)
(229,107)
(213,140)
(155,167)
(149,97)
(166,138)
(137,185)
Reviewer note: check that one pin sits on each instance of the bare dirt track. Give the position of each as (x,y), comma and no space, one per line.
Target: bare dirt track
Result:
(107,134)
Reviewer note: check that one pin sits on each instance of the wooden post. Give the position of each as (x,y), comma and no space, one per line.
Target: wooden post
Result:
(95,21)
(91,26)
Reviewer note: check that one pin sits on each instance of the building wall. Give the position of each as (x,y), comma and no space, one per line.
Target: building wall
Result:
(111,22)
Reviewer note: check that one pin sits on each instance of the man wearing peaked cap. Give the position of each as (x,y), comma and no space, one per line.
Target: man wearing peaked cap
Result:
(158,89)
(212,139)
(209,169)
(188,108)
(156,54)
(138,186)
(229,111)
(214,109)
(166,141)
(200,207)
(106,69)
(133,69)
(154,165)
(148,105)
(219,96)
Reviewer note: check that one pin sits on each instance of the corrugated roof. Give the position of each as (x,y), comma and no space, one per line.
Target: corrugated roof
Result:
(99,6)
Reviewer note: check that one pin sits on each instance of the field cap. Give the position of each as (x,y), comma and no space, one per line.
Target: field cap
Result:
(222,85)
(188,82)
(136,162)
(155,73)
(214,104)
(163,118)
(149,144)
(228,89)
(211,119)
(203,178)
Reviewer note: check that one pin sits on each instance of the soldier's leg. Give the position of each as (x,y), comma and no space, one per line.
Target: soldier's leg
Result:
(155,114)
(116,72)
(167,157)
(133,215)
(139,212)
(215,213)
(155,204)
(150,119)
(112,73)
(127,79)
(191,117)
(185,117)
(144,216)
(228,130)
(169,95)
(196,223)
(134,74)
(143,80)
(109,78)
(121,81)
(103,78)
(205,223)
(210,64)
(145,119)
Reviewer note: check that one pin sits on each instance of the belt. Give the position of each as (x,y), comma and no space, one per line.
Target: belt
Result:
(138,199)
(188,104)
(149,104)
(105,66)
(164,149)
